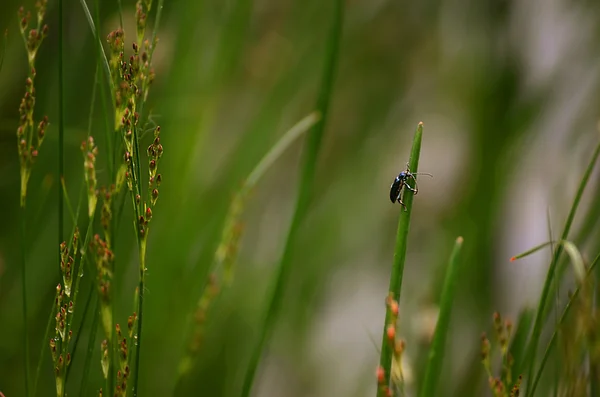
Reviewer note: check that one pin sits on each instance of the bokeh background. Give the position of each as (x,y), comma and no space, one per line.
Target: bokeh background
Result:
(508,92)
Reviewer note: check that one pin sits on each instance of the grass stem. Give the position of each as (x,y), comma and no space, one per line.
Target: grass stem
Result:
(436,351)
(395,286)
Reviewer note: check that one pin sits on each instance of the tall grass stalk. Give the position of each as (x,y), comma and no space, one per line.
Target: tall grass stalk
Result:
(61,126)
(539,318)
(395,287)
(311,152)
(29,141)
(436,351)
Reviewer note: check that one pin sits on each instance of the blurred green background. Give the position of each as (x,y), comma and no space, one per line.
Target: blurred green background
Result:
(507,91)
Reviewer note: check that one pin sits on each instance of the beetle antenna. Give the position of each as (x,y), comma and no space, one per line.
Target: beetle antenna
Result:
(422,173)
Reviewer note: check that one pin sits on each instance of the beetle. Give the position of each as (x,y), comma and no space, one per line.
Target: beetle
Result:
(401,182)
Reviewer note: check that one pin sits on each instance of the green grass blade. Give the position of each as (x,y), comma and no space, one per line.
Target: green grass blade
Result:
(51,318)
(95,33)
(539,318)
(90,348)
(313,145)
(532,250)
(552,341)
(24,297)
(286,140)
(556,300)
(3,53)
(395,288)
(436,351)
(519,340)
(61,125)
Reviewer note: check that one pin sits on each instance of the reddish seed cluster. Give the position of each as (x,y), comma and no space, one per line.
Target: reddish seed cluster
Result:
(104,262)
(397,346)
(131,321)
(67,261)
(502,384)
(90,151)
(29,138)
(34,37)
(106,215)
(155,151)
(105,361)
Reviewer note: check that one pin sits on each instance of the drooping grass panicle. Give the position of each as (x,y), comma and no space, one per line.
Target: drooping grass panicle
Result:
(30,135)
(503,385)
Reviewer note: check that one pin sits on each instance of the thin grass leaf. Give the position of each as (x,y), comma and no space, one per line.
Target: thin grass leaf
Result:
(286,140)
(83,318)
(519,340)
(95,33)
(395,287)
(566,310)
(51,319)
(90,348)
(67,201)
(3,52)
(570,249)
(436,351)
(61,124)
(531,251)
(556,298)
(539,319)
(312,148)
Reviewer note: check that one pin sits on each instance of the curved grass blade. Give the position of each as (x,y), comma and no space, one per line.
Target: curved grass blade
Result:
(395,287)
(539,318)
(552,341)
(436,351)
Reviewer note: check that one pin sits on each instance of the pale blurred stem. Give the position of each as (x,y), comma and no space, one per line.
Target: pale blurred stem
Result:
(313,144)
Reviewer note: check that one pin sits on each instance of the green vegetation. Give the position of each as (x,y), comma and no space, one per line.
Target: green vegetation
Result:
(208,213)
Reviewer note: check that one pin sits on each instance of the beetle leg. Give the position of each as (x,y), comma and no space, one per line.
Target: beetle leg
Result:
(414,190)
(402,204)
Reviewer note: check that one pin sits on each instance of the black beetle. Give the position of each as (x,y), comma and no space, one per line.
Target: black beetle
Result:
(400,182)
